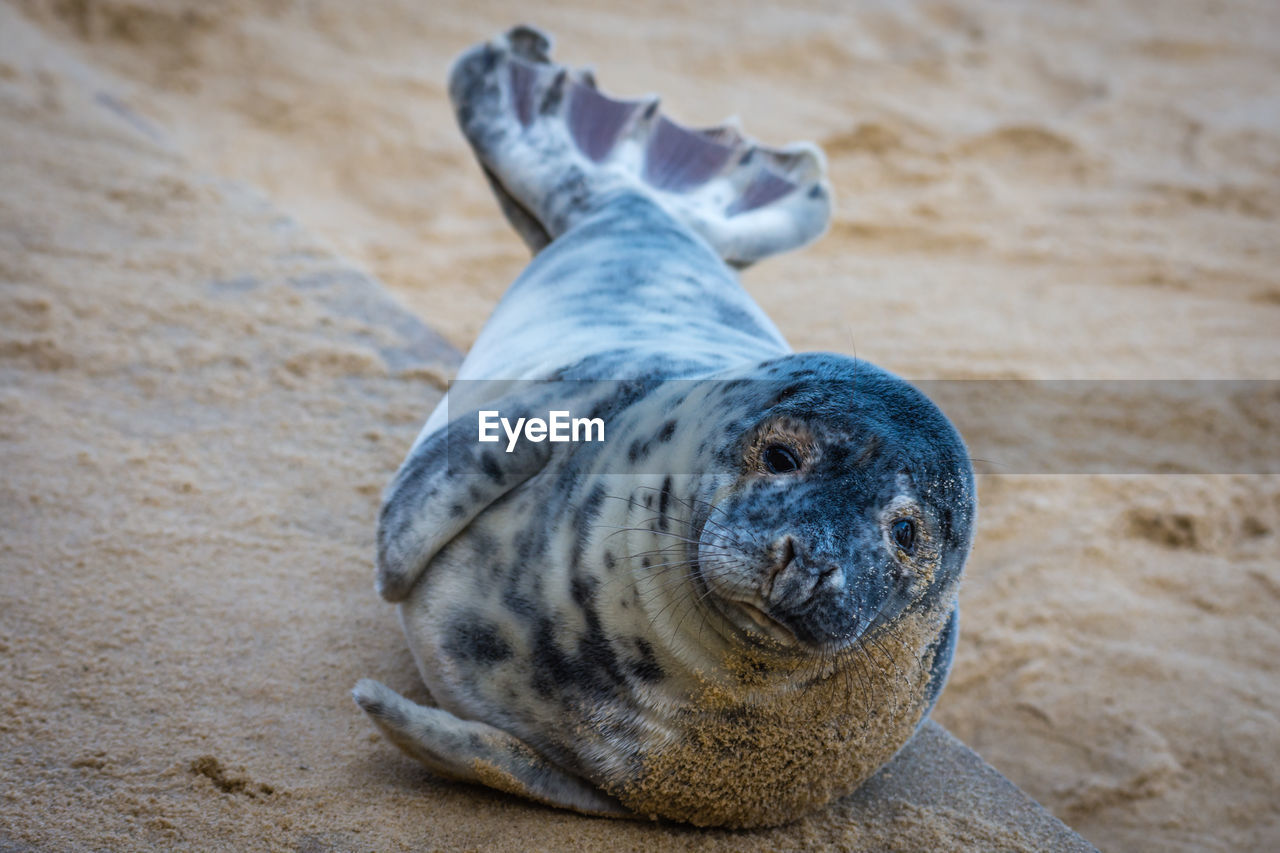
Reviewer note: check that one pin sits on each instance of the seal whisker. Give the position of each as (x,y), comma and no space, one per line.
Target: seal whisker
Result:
(861,643)
(676,547)
(694,503)
(901,677)
(732,533)
(698,599)
(678,560)
(727,533)
(673,582)
(673,564)
(654,531)
(868,692)
(871,634)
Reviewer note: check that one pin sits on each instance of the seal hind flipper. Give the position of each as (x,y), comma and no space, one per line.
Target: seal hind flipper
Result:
(469,751)
(555,148)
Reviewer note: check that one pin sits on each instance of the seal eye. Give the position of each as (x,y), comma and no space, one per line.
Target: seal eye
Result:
(904,534)
(780,460)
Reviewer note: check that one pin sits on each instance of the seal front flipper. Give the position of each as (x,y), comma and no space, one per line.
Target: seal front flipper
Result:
(468,751)
(555,148)
(447,480)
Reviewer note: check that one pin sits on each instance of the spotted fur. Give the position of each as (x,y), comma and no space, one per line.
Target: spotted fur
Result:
(571,605)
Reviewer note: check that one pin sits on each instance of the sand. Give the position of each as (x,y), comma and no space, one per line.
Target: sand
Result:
(1041,191)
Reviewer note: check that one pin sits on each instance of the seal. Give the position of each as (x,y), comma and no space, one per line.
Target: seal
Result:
(740,603)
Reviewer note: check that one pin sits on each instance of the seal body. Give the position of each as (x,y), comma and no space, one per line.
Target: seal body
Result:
(740,603)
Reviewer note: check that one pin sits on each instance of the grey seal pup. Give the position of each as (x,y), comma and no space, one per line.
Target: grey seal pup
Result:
(741,602)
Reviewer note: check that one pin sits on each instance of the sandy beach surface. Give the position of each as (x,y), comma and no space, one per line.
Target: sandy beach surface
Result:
(193,444)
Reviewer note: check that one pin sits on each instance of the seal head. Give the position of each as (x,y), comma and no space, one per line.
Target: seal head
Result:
(855,498)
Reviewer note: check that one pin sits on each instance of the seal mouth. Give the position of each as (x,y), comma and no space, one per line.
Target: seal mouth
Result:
(766,623)
(747,617)
(754,621)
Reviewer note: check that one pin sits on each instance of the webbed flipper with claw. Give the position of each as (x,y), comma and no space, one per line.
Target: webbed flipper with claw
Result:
(470,751)
(554,148)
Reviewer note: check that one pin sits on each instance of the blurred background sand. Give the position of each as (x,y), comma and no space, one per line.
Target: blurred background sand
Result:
(1041,190)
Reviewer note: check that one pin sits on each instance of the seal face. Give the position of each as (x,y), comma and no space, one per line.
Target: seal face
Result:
(740,603)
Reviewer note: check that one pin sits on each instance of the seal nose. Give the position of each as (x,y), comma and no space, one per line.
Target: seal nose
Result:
(799,572)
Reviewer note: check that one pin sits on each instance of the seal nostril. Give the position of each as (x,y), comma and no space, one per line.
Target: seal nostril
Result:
(788,551)
(784,553)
